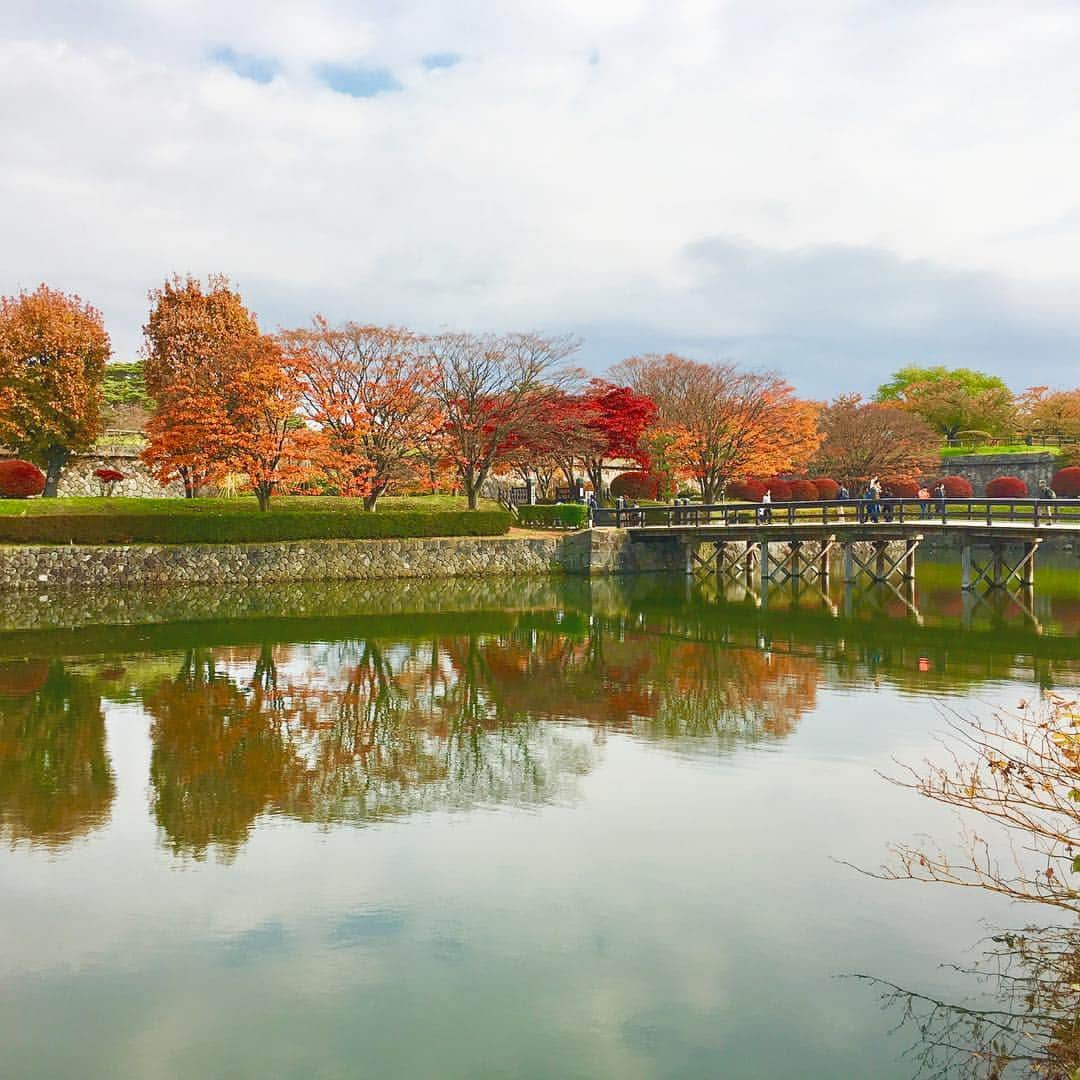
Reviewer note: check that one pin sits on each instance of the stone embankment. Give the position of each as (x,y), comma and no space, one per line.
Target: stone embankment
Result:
(42,568)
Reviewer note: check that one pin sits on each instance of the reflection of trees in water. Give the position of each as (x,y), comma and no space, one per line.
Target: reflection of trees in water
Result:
(56,783)
(1027,1023)
(377,740)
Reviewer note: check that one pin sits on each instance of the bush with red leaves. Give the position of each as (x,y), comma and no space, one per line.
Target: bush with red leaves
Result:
(780,489)
(827,489)
(956,487)
(899,487)
(745,491)
(20,480)
(1006,487)
(804,491)
(1067,482)
(636,485)
(108,479)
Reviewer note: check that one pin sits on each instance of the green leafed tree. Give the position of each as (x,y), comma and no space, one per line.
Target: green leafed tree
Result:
(952,400)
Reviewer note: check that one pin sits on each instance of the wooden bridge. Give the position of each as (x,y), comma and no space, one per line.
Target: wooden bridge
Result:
(998,538)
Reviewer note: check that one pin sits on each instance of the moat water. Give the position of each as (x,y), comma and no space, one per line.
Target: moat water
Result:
(529,828)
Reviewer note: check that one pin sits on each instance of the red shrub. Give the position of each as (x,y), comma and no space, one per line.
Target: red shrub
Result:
(1006,487)
(804,491)
(108,476)
(745,491)
(636,485)
(899,487)
(20,480)
(827,489)
(1067,482)
(780,489)
(956,487)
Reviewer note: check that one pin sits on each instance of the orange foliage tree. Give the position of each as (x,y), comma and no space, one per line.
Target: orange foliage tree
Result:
(1050,412)
(369,389)
(494,392)
(260,431)
(718,422)
(53,351)
(192,337)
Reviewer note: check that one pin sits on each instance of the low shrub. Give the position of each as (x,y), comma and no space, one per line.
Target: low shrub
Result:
(223,527)
(899,487)
(1066,482)
(804,491)
(1006,487)
(562,516)
(745,491)
(20,480)
(108,479)
(827,489)
(779,489)
(636,485)
(956,487)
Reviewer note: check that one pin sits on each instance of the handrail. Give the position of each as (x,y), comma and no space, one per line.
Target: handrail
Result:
(859,511)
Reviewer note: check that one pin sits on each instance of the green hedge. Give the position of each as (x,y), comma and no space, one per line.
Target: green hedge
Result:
(240,528)
(562,516)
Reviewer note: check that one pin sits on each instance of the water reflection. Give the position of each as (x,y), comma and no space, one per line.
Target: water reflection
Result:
(56,783)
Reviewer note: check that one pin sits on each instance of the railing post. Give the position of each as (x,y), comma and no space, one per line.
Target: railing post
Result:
(989,513)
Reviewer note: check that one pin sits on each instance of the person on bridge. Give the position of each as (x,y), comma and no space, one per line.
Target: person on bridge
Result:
(924,502)
(1049,494)
(765,513)
(940,494)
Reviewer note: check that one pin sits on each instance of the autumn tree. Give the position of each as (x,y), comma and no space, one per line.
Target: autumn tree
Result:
(862,439)
(722,422)
(1050,412)
(53,351)
(370,391)
(952,399)
(256,416)
(493,391)
(192,335)
(613,420)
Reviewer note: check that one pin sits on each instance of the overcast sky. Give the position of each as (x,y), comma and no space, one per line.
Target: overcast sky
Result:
(827,189)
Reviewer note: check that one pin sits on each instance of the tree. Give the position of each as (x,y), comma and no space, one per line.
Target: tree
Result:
(617,418)
(127,403)
(191,336)
(723,423)
(1050,412)
(952,400)
(369,389)
(53,351)
(493,392)
(862,439)
(260,433)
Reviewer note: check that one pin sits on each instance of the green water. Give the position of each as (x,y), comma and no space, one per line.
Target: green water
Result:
(517,829)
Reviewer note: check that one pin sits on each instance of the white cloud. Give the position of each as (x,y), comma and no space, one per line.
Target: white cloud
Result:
(558,175)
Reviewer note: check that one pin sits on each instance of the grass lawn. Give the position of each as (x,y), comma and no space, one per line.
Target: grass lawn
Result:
(1012,448)
(204,521)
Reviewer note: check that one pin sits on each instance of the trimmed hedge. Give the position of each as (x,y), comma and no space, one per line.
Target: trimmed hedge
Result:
(1006,487)
(804,491)
(222,527)
(779,489)
(827,488)
(900,487)
(745,491)
(562,516)
(636,485)
(20,480)
(1066,481)
(956,487)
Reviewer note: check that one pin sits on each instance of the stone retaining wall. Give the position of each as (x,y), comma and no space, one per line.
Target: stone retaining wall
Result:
(44,569)
(980,469)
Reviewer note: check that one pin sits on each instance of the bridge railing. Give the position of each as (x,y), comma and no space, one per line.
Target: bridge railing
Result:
(841,511)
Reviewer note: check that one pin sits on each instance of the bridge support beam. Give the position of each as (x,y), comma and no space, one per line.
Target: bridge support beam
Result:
(881,566)
(998,572)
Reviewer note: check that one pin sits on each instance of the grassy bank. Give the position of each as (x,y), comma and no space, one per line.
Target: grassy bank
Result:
(237,521)
(1011,448)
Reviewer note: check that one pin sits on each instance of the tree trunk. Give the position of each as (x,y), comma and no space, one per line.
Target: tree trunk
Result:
(372,497)
(55,459)
(262,493)
(596,477)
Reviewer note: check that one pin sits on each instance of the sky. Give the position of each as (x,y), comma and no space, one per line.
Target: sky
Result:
(826,189)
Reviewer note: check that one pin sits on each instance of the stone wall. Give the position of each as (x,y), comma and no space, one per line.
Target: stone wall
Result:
(44,569)
(980,469)
(78,475)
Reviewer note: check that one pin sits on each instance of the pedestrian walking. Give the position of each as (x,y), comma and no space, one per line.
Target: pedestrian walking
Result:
(765,513)
(924,502)
(1048,494)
